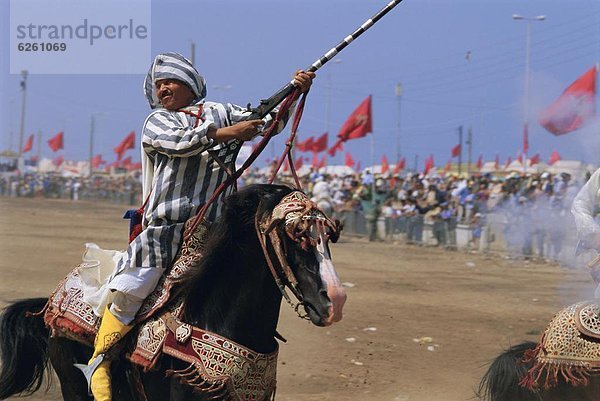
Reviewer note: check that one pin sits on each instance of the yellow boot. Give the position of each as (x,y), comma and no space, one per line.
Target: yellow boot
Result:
(110,332)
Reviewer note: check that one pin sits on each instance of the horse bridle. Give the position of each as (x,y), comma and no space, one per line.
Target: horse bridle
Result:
(295,215)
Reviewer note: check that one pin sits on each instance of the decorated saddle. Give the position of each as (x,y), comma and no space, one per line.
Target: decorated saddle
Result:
(569,348)
(68,315)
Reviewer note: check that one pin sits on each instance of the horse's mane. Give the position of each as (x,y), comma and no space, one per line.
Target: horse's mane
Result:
(231,236)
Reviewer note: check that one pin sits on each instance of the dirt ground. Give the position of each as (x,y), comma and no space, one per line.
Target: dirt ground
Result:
(472,306)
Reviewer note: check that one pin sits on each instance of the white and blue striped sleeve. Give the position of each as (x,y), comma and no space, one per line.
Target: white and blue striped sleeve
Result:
(238,113)
(163,133)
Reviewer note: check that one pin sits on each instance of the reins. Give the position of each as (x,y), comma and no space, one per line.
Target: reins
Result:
(233,176)
(303,209)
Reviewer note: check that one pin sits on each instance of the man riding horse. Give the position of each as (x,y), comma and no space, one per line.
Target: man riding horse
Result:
(189,146)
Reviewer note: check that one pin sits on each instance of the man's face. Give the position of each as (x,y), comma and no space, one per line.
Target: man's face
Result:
(173,94)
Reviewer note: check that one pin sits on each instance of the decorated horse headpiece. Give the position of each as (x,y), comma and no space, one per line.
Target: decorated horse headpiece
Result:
(304,223)
(299,214)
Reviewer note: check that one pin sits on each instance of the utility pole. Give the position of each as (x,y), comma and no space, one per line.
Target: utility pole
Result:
(193,53)
(399,97)
(92,126)
(460,146)
(469,150)
(22,131)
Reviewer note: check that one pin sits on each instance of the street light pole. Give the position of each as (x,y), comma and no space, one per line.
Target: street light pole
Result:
(527,79)
(399,97)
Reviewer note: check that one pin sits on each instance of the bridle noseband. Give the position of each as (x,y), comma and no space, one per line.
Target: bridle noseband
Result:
(296,215)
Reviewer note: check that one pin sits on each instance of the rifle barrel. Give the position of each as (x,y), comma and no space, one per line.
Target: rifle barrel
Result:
(269,104)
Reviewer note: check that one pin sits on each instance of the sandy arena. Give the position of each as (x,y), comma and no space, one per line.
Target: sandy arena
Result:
(471,306)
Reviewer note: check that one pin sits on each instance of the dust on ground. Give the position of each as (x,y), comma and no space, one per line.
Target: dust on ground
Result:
(420,324)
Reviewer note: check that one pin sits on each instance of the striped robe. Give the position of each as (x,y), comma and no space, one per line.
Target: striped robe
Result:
(180,175)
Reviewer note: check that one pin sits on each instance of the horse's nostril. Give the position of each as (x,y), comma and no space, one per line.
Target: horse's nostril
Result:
(323,293)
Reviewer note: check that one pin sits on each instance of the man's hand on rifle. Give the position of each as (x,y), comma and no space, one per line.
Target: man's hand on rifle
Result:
(244,131)
(303,80)
(247,130)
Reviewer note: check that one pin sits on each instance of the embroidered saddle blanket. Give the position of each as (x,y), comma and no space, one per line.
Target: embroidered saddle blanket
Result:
(219,367)
(68,315)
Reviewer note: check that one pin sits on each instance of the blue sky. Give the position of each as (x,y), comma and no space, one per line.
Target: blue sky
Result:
(248,49)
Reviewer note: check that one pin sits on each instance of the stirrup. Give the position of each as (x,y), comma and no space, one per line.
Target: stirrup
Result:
(88,370)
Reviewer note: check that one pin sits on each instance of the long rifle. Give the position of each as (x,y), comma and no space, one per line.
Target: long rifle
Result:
(266,105)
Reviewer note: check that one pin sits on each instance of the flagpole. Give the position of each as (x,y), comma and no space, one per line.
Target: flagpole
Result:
(469,150)
(460,132)
(39,150)
(92,125)
(373,171)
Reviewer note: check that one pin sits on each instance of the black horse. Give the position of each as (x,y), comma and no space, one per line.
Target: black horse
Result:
(231,292)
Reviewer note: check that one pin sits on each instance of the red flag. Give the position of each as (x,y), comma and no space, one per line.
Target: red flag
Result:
(58,161)
(114,164)
(525,138)
(127,143)
(535,159)
(315,160)
(508,161)
(28,145)
(497,162)
(298,163)
(385,166)
(56,142)
(306,145)
(97,161)
(335,148)
(448,166)
(573,108)
(428,164)
(480,162)
(400,165)
(455,151)
(320,144)
(359,123)
(349,161)
(323,162)
(554,157)
(126,162)
(134,166)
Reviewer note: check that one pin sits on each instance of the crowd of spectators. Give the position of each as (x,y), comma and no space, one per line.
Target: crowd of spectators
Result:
(117,189)
(533,210)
